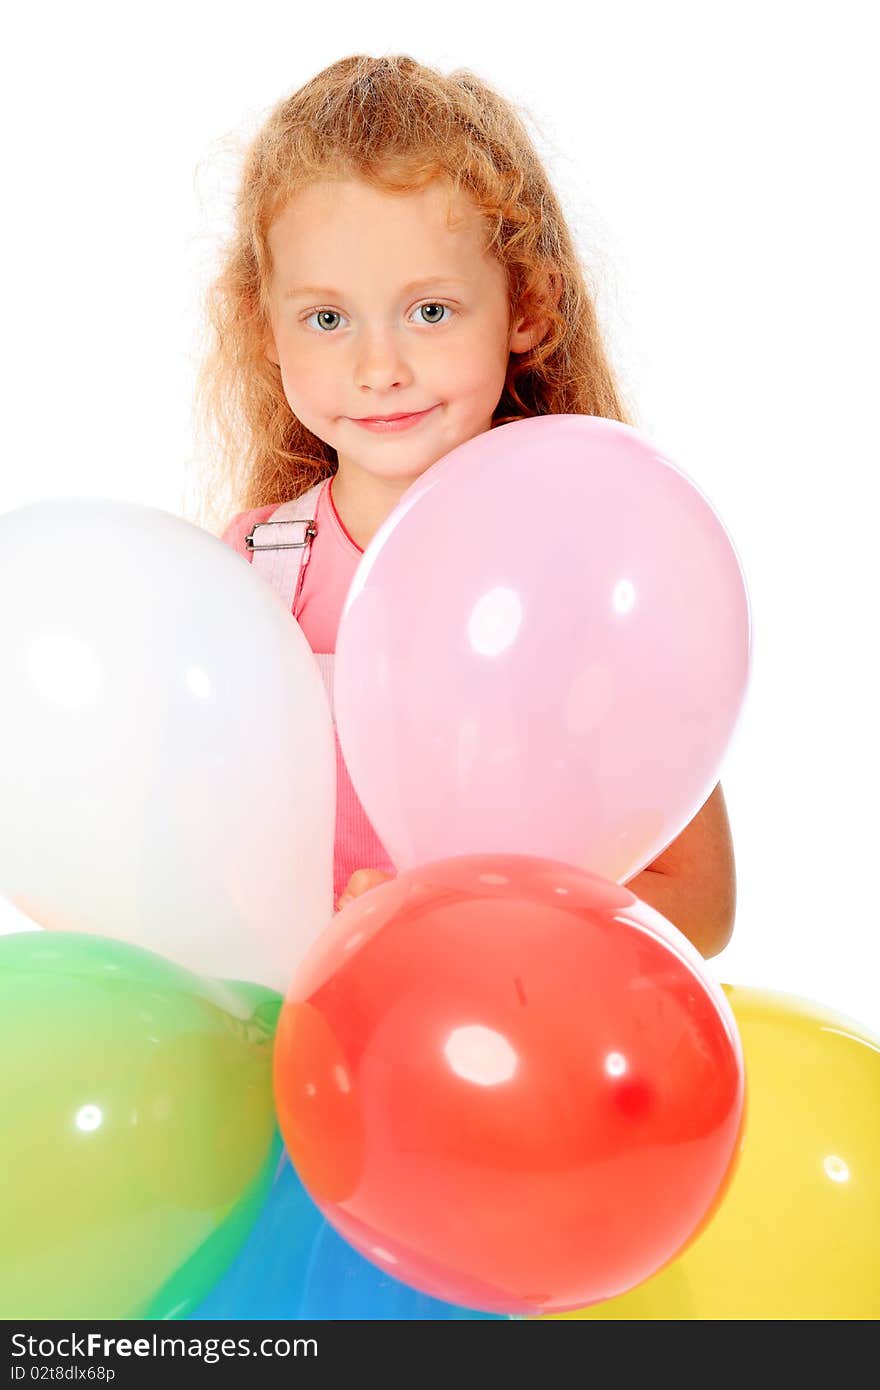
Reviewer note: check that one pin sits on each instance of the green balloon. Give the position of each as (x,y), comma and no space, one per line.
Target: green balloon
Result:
(137,1125)
(184,1291)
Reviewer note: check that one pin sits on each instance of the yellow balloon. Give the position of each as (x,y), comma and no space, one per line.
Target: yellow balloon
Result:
(797,1235)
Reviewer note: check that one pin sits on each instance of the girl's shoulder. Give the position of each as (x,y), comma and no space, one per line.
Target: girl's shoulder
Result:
(242,525)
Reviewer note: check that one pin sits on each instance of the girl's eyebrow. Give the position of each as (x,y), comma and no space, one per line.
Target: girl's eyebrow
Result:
(323,292)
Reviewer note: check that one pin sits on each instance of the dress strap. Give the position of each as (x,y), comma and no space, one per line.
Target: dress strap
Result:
(280,546)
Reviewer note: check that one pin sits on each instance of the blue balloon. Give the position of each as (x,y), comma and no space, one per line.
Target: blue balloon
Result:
(295,1265)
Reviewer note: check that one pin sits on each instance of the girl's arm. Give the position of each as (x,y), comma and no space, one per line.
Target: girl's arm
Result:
(693,882)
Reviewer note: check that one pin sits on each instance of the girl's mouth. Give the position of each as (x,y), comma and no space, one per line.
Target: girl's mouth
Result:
(385,424)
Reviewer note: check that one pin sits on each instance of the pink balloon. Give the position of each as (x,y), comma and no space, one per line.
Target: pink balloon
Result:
(544,651)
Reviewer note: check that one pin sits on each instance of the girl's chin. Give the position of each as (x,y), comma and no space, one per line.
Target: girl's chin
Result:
(400,468)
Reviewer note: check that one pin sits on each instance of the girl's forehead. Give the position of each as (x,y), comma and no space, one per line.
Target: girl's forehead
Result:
(345,233)
(327,205)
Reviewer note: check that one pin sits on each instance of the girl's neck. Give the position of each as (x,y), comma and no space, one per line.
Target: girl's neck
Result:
(363,501)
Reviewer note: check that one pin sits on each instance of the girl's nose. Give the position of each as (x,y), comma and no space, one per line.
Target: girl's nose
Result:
(380,362)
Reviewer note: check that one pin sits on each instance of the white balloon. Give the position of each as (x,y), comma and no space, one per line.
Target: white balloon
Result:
(167,757)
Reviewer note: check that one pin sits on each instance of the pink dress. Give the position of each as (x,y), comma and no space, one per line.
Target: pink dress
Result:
(333,559)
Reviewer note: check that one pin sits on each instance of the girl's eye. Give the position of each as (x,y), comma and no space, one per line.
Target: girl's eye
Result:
(433,313)
(327,319)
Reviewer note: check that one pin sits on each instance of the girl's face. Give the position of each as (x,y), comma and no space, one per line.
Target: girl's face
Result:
(380,308)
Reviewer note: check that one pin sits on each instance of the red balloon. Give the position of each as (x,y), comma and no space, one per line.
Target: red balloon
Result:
(509,1083)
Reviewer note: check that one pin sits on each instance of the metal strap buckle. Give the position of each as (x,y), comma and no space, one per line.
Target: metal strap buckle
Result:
(311,532)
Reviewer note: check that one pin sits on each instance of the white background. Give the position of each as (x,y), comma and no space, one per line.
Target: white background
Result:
(717,163)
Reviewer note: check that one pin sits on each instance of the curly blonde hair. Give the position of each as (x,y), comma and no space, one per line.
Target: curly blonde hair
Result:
(398,125)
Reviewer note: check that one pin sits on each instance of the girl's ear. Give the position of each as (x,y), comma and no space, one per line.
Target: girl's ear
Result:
(269,348)
(530,328)
(270,351)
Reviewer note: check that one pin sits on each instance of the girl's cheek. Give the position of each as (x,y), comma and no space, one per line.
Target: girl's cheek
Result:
(305,381)
(477,376)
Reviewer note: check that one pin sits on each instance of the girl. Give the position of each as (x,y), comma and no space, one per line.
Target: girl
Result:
(401,278)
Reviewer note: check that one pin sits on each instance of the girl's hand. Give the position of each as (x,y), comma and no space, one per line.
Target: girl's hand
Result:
(361,881)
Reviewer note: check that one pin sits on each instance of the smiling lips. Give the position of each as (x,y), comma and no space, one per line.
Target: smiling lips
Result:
(382,424)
